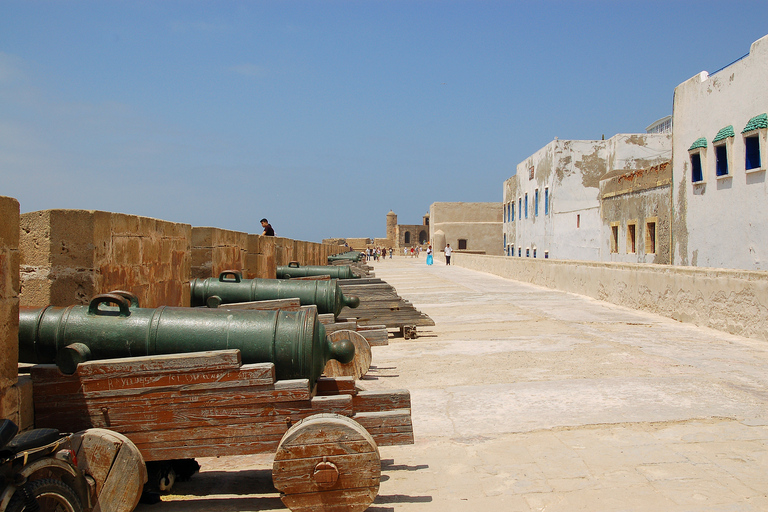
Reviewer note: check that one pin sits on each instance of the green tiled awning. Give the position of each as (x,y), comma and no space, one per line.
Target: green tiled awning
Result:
(756,123)
(724,134)
(699,143)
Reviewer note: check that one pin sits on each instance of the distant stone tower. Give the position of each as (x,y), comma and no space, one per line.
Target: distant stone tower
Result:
(392,228)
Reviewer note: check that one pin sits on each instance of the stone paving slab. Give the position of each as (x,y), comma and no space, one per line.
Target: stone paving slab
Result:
(529,399)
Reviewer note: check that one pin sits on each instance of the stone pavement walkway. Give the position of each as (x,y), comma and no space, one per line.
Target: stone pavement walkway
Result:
(529,399)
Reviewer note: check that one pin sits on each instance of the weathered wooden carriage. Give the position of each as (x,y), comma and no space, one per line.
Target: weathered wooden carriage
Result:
(325,433)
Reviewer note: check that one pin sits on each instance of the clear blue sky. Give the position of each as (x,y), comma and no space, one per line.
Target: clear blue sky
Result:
(324,115)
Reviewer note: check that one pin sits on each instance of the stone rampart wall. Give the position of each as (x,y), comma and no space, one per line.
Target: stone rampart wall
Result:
(733,301)
(215,250)
(68,256)
(9,306)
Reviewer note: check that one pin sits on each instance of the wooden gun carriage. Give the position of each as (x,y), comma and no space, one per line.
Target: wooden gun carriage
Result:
(325,435)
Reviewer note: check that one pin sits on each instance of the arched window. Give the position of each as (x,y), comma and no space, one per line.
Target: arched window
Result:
(422,237)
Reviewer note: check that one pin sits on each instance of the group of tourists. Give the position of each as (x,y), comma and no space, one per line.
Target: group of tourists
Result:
(377,253)
(380,253)
(413,252)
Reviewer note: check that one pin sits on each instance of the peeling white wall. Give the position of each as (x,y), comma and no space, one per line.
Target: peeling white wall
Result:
(571,171)
(722,222)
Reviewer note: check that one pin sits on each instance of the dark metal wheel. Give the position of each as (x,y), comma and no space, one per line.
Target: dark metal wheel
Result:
(51,496)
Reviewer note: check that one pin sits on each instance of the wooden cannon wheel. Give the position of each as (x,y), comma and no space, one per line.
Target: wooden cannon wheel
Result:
(359,365)
(327,463)
(116,465)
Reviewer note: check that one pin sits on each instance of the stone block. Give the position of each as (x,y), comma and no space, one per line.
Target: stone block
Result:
(202,236)
(71,238)
(254,244)
(267,246)
(225,237)
(150,248)
(9,227)
(9,341)
(251,265)
(266,268)
(126,250)
(36,289)
(168,229)
(35,238)
(226,258)
(9,272)
(123,224)
(181,266)
(201,257)
(147,226)
(73,287)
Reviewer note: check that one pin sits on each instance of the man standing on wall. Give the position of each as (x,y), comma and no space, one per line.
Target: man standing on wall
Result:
(448,254)
(268,231)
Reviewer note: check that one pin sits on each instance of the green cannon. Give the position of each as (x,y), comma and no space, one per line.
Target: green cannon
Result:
(114,326)
(349,255)
(230,287)
(293,269)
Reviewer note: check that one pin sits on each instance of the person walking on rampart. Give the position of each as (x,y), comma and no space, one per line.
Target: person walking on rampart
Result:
(448,252)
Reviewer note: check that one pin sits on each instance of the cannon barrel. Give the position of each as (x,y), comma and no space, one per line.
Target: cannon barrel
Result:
(295,341)
(230,287)
(293,269)
(349,255)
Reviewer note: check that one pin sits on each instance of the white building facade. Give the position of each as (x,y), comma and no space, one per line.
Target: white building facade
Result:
(551,206)
(719,166)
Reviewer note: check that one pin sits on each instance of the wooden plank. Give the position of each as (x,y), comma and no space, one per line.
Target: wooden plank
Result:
(184,393)
(340,326)
(361,281)
(326,318)
(388,428)
(130,366)
(110,405)
(377,401)
(336,386)
(375,337)
(370,327)
(130,420)
(232,447)
(248,375)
